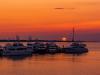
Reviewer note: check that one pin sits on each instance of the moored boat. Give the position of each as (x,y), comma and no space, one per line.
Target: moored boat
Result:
(37,47)
(16,49)
(1,50)
(52,48)
(76,48)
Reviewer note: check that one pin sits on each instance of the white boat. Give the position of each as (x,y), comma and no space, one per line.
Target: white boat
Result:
(76,47)
(16,49)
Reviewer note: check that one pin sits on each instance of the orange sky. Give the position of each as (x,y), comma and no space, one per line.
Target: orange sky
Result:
(29,17)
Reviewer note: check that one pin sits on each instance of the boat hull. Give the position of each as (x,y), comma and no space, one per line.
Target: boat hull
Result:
(52,51)
(17,53)
(75,50)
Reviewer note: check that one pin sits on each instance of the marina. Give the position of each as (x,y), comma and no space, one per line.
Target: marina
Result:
(21,49)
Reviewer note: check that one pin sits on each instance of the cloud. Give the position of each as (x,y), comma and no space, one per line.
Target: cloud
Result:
(70,8)
(60,8)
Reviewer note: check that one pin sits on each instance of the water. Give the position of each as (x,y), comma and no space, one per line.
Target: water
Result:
(59,64)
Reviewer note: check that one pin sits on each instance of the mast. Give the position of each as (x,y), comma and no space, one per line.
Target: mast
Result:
(17,39)
(73,35)
(30,40)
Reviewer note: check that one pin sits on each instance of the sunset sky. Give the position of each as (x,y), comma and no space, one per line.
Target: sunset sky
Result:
(40,19)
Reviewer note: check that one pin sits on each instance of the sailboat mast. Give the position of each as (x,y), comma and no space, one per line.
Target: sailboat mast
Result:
(30,38)
(18,39)
(73,35)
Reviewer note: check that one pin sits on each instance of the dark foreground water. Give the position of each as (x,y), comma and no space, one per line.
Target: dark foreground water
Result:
(59,64)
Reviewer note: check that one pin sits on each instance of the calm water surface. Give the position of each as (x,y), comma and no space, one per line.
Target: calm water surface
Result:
(59,64)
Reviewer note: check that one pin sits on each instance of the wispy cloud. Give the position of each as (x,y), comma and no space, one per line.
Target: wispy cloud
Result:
(60,8)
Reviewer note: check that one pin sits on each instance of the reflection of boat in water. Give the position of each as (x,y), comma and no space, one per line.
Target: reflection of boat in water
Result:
(16,49)
(76,47)
(18,58)
(52,48)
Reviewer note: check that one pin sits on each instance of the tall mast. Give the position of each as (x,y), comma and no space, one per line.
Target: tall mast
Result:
(30,38)
(73,35)
(18,39)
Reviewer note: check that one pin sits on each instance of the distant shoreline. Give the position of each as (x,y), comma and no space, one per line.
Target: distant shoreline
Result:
(42,41)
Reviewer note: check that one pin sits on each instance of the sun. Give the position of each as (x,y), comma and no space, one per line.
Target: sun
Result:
(64,39)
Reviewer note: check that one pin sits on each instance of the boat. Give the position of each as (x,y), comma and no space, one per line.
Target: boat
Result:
(1,50)
(76,47)
(16,49)
(52,48)
(30,44)
(37,47)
